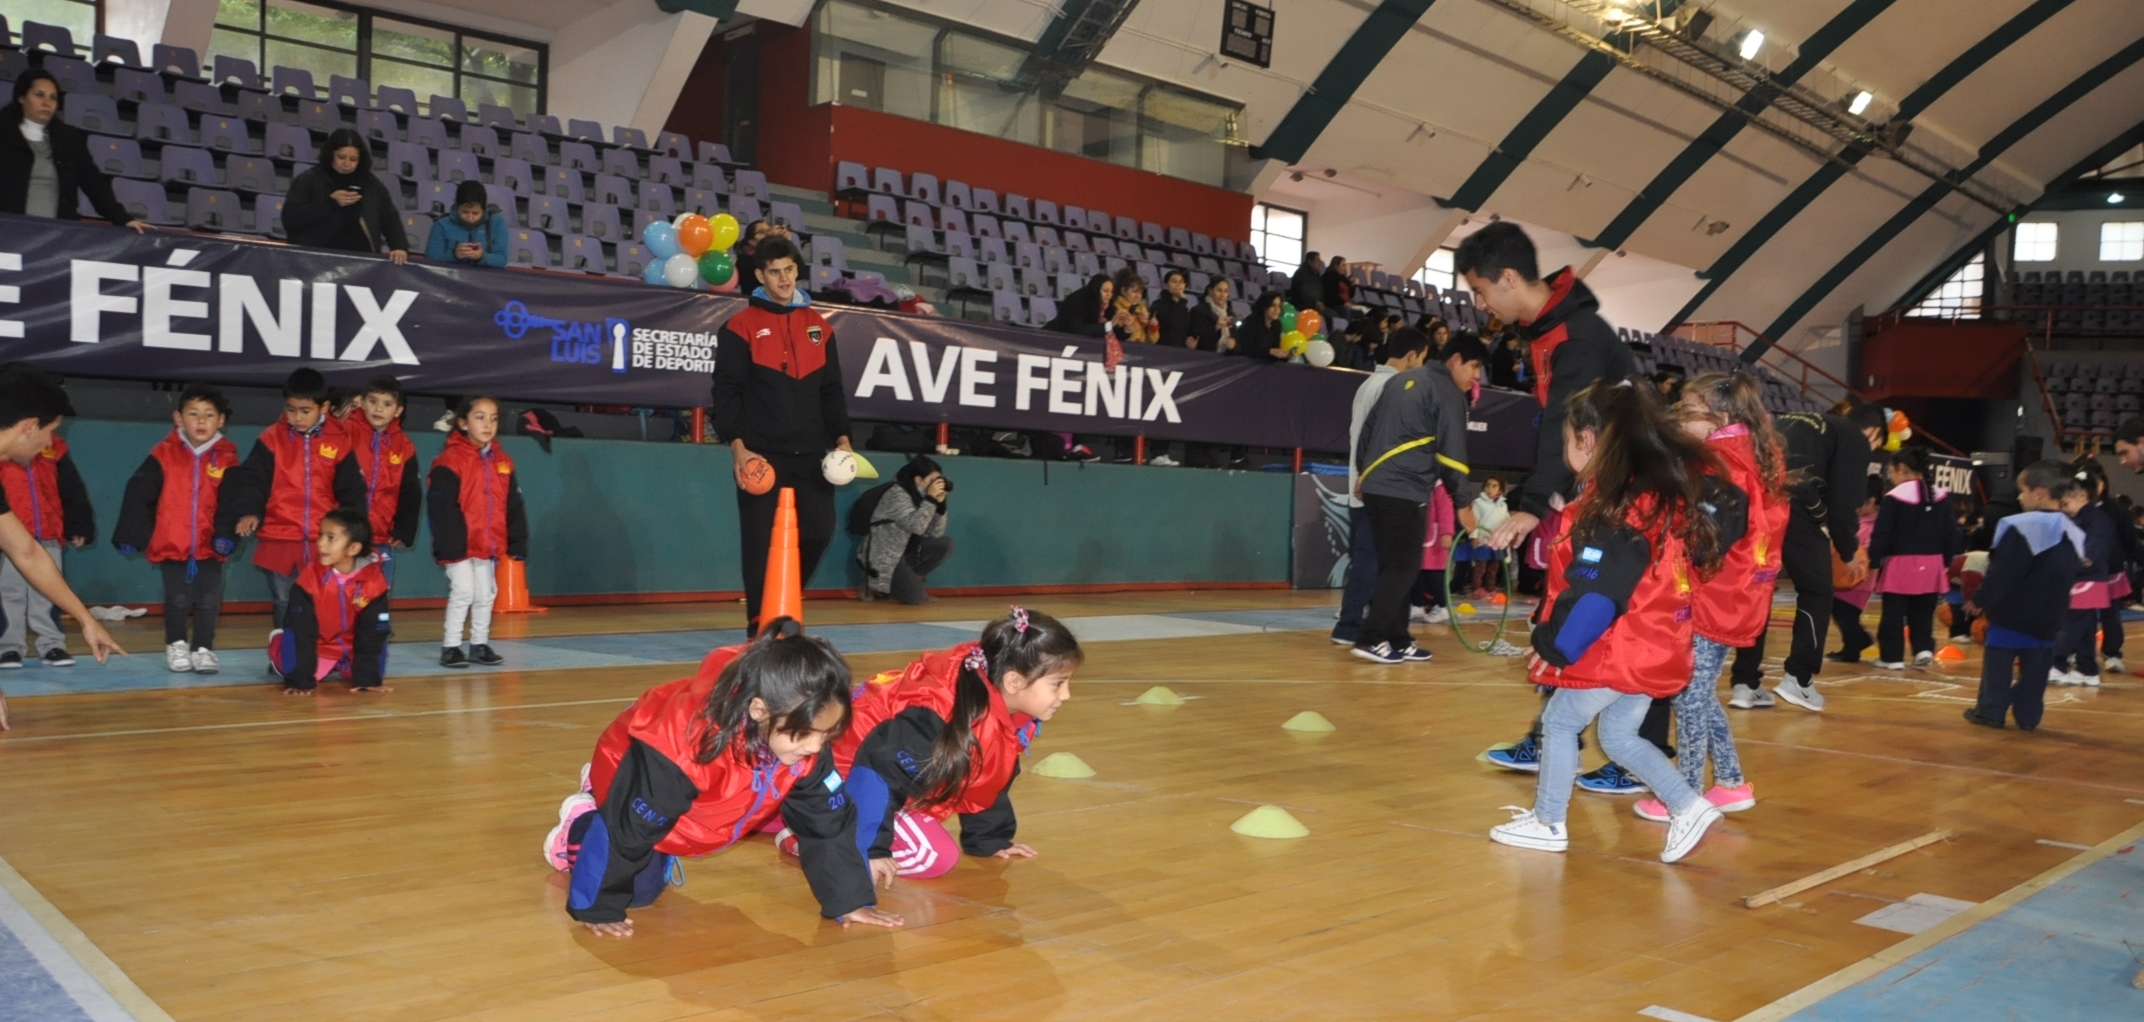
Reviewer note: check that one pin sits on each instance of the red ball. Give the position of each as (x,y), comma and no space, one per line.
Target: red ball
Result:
(755,476)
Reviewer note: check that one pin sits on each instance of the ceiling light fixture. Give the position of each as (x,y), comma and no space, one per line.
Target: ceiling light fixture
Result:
(1860,104)
(1752,43)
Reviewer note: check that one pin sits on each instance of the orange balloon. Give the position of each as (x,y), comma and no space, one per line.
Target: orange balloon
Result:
(1309,323)
(694,236)
(755,476)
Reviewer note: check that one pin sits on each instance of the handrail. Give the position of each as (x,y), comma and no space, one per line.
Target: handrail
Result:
(1734,330)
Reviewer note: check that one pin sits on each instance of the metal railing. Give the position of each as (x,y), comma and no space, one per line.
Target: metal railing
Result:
(1736,336)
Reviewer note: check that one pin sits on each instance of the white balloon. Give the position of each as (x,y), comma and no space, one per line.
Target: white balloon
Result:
(680,270)
(1319,353)
(839,467)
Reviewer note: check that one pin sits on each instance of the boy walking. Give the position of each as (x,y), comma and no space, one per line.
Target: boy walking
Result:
(169,512)
(2025,596)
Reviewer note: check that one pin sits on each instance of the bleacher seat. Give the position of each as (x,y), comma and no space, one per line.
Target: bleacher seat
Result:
(117,157)
(920,214)
(419,228)
(1006,307)
(448,108)
(396,100)
(963,276)
(668,170)
(514,175)
(1040,311)
(213,209)
(992,250)
(621,162)
(431,133)
(289,142)
(502,118)
(1015,232)
(787,214)
(709,176)
(983,200)
(104,49)
(577,156)
(601,223)
(543,124)
(986,226)
(1099,222)
(408,162)
(458,166)
(583,254)
(950,219)
(1045,212)
(319,115)
(144,199)
(178,61)
(130,85)
(584,130)
(612,189)
(250,175)
(528,248)
(674,145)
(1077,242)
(436,198)
(185,165)
(714,152)
(292,81)
(228,134)
(630,138)
(527,145)
(200,97)
(633,260)
(379,125)
(701,201)
(495,197)
(50,38)
(548,213)
(92,113)
(753,184)
(658,198)
(75,76)
(1055,260)
(745,209)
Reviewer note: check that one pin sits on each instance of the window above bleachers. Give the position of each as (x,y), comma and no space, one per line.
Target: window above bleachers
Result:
(427,58)
(2036,242)
(892,62)
(1277,233)
(1959,297)
(1437,272)
(79,17)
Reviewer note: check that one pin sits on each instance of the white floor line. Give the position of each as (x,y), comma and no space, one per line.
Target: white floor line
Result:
(2065,844)
(388,715)
(1915,914)
(1671,1015)
(97,986)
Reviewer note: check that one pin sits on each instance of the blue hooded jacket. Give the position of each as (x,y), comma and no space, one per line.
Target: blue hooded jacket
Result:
(448,231)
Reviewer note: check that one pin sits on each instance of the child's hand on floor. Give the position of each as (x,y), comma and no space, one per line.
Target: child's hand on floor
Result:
(288,691)
(621,928)
(1014,852)
(872,916)
(882,873)
(370,690)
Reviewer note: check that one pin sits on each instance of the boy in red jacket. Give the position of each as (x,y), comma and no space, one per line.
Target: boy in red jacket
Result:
(48,495)
(394,489)
(301,468)
(338,621)
(169,511)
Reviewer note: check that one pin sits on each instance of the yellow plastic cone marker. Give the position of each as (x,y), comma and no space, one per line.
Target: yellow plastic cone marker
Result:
(1950,653)
(1063,765)
(1309,720)
(1269,821)
(1159,695)
(1465,608)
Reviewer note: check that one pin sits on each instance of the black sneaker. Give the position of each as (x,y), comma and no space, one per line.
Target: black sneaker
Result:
(1382,653)
(1414,654)
(1840,656)
(57,658)
(11,661)
(451,656)
(484,654)
(1972,716)
(1611,779)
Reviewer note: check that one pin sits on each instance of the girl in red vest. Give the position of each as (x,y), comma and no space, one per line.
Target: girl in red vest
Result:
(394,491)
(1615,628)
(169,513)
(944,736)
(696,764)
(1732,608)
(477,518)
(48,495)
(337,624)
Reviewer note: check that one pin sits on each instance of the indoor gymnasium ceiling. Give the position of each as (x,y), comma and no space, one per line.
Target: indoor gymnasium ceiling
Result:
(1500,106)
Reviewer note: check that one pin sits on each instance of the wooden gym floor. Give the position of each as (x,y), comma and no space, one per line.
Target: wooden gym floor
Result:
(246,856)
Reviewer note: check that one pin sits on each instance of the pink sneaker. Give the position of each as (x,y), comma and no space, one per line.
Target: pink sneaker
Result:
(1726,800)
(556,852)
(585,786)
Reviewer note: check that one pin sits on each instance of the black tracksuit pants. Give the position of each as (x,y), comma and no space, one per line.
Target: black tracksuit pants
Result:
(1805,558)
(1398,526)
(755,522)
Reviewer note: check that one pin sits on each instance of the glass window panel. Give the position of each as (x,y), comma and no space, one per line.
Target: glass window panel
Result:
(483,90)
(243,45)
(419,44)
(1959,296)
(886,57)
(324,25)
(424,81)
(2036,242)
(979,58)
(977,91)
(245,14)
(1438,270)
(1278,235)
(79,19)
(321,62)
(494,59)
(2121,241)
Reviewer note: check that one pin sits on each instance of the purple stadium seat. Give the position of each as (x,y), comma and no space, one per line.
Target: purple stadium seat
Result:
(959,196)
(888,180)
(708,176)
(408,162)
(497,116)
(92,113)
(527,145)
(528,248)
(752,184)
(104,49)
(566,184)
(584,254)
(633,260)
(658,198)
(548,213)
(674,145)
(631,138)
(431,133)
(292,81)
(400,101)
(237,71)
(378,124)
(600,222)
(543,124)
(584,131)
(714,152)
(983,200)
(448,108)
(579,156)
(133,86)
(200,97)
(458,166)
(702,201)
(178,61)
(187,166)
(249,175)
(851,177)
(513,174)
(289,142)
(923,187)
(668,170)
(144,199)
(623,163)
(213,209)
(1046,213)
(50,38)
(319,115)
(612,190)
(986,226)
(117,157)
(350,92)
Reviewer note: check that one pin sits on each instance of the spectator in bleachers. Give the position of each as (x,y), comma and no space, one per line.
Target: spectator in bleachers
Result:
(1213,323)
(45,163)
(1507,362)
(1172,312)
(1336,292)
(2129,443)
(341,204)
(1087,310)
(1128,310)
(1307,286)
(470,234)
(745,256)
(1258,336)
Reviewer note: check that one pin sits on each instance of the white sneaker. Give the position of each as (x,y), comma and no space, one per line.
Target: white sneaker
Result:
(1418,615)
(1751,697)
(2088,680)
(1526,832)
(1888,665)
(2056,676)
(1438,615)
(1686,830)
(1961,640)
(1800,693)
(2114,665)
(1162,461)
(205,661)
(178,657)
(1923,661)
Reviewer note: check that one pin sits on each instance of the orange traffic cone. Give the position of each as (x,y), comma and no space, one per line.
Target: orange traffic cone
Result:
(514,589)
(783,593)
(1950,653)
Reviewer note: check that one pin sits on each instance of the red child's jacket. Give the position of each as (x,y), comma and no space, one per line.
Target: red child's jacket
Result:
(48,495)
(475,504)
(169,511)
(292,480)
(394,489)
(339,618)
(1734,606)
(1617,613)
(929,683)
(654,795)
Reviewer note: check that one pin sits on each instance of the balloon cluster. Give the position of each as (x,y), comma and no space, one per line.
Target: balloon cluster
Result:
(1303,335)
(692,252)
(1897,430)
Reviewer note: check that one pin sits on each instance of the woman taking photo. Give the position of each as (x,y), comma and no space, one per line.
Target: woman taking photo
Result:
(340,204)
(45,165)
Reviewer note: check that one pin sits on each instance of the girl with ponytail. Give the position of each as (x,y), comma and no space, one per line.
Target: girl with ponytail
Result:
(698,763)
(1915,538)
(1730,609)
(944,736)
(1614,632)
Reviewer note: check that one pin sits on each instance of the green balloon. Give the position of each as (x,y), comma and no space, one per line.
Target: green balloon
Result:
(1287,317)
(717,267)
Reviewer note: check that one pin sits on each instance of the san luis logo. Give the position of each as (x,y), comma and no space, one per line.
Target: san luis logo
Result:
(583,343)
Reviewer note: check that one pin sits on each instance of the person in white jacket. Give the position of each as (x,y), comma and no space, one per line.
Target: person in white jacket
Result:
(1489,512)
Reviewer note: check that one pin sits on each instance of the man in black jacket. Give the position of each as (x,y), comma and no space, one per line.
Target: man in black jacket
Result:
(1173,312)
(1829,455)
(1308,285)
(778,398)
(45,163)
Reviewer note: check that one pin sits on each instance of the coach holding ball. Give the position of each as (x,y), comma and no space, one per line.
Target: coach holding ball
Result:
(779,405)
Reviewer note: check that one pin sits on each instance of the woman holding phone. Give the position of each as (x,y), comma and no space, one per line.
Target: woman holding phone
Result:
(340,204)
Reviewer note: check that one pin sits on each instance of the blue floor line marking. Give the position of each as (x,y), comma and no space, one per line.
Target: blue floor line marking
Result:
(40,981)
(2061,954)
(32,995)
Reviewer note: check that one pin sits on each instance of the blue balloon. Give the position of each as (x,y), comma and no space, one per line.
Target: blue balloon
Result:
(661,239)
(654,273)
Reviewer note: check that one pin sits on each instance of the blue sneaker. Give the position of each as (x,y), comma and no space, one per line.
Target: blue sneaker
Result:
(1611,779)
(1525,757)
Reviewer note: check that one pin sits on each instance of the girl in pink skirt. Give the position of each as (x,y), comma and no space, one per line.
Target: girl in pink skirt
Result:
(1916,535)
